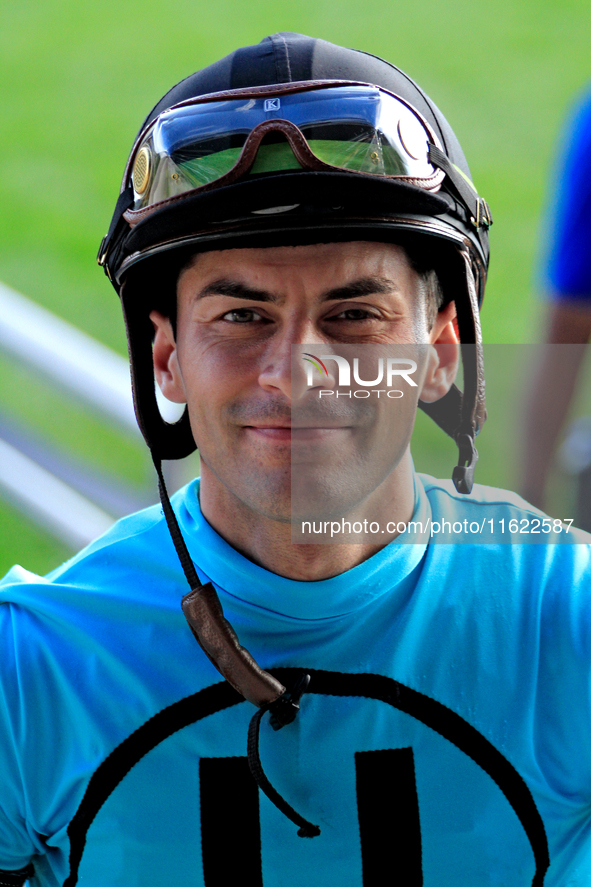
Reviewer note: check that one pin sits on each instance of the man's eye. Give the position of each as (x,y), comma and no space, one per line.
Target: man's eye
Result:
(354,314)
(242,315)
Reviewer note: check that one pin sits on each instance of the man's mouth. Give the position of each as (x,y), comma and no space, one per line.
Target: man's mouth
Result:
(296,433)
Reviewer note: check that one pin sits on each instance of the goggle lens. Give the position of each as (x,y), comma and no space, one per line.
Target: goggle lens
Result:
(354,128)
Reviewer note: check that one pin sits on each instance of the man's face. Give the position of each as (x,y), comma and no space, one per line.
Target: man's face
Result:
(239,313)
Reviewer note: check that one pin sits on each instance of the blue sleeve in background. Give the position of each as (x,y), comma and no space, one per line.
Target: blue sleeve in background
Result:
(567,266)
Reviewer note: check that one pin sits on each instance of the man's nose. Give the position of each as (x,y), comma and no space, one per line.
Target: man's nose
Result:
(284,368)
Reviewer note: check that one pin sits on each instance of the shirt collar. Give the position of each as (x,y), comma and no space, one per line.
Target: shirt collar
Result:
(239,577)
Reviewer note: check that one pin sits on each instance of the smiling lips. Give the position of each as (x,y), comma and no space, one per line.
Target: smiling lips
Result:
(283,433)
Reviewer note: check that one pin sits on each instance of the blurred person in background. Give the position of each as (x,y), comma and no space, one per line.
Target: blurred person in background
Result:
(566,279)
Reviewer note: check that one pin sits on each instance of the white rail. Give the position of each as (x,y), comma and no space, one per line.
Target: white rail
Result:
(74,360)
(93,373)
(49,501)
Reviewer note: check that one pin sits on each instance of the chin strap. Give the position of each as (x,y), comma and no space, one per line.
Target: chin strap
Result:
(218,640)
(462,414)
(306,829)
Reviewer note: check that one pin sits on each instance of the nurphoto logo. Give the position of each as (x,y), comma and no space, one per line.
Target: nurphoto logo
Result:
(393,369)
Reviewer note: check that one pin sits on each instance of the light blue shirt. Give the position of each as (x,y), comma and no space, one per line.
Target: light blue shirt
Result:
(450,682)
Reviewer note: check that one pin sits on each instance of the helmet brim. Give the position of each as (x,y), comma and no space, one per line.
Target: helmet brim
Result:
(313,206)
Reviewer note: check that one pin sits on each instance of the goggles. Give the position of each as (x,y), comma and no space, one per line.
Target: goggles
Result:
(214,140)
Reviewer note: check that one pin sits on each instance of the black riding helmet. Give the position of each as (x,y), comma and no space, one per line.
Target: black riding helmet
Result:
(297,198)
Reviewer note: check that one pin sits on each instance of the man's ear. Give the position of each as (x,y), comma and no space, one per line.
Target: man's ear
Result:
(442,363)
(166,365)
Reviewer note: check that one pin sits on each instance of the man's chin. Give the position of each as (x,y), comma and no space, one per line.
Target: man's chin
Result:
(310,492)
(294,504)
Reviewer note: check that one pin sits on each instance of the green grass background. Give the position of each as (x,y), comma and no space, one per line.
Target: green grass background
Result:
(77,79)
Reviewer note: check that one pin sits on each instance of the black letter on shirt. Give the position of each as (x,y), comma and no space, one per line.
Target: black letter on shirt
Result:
(389,822)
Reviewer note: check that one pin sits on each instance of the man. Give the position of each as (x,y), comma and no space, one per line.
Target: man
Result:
(321,201)
(567,320)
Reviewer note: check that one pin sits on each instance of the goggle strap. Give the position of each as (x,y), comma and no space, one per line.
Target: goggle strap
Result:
(124,202)
(477,207)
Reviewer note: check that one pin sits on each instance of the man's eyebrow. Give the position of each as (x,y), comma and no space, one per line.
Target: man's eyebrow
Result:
(236,290)
(365,286)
